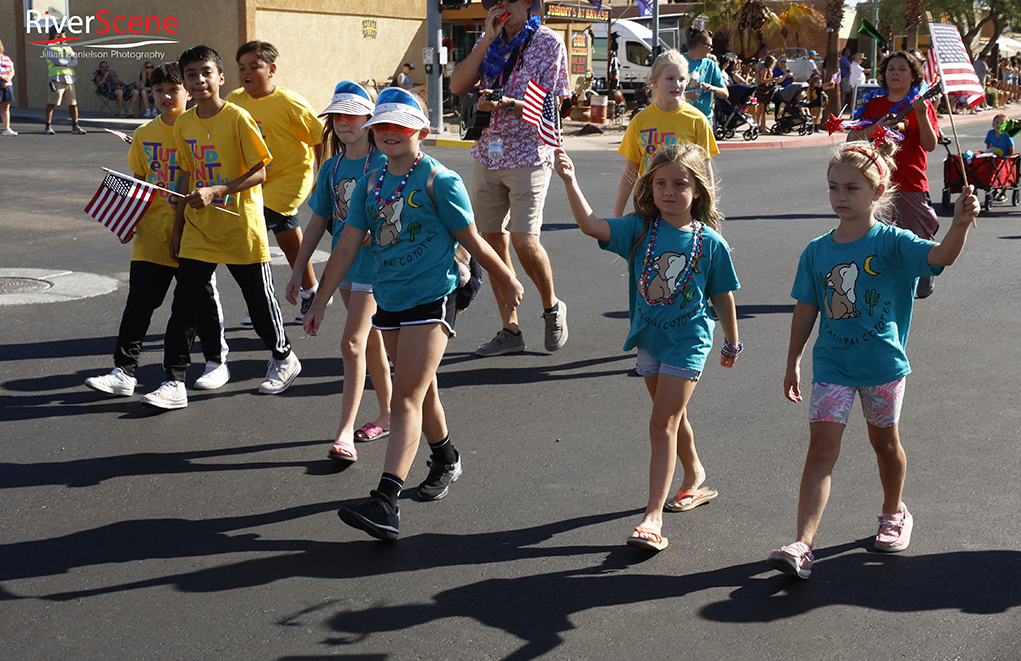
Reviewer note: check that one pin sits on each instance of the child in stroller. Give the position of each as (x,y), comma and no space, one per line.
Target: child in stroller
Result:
(792,110)
(732,112)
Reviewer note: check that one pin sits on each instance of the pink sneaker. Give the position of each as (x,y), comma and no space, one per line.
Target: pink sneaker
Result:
(894,531)
(794,559)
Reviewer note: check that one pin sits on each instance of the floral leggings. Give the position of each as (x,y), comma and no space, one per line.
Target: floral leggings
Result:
(881,404)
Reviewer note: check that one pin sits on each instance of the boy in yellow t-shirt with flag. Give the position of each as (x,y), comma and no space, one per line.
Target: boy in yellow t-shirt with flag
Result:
(224,159)
(293,132)
(153,158)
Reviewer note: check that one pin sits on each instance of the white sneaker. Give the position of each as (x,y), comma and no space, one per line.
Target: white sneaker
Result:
(116,382)
(246,322)
(49,131)
(215,376)
(170,395)
(151,113)
(9,132)
(280,374)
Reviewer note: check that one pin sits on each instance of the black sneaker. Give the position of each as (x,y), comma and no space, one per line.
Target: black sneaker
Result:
(374,516)
(437,484)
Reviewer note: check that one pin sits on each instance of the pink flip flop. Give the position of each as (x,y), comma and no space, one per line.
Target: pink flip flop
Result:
(343,452)
(646,539)
(695,497)
(370,431)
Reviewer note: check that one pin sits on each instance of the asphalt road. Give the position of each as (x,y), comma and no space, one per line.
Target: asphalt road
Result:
(211,532)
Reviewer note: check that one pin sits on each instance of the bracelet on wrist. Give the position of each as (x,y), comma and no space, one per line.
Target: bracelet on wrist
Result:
(731,351)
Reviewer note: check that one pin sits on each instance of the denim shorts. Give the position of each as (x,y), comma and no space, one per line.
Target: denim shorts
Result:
(649,366)
(364,287)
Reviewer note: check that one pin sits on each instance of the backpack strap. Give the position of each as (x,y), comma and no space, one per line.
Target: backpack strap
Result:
(430,184)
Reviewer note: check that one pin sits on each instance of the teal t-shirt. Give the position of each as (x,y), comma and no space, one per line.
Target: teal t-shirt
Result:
(865,292)
(336,183)
(412,241)
(708,72)
(679,333)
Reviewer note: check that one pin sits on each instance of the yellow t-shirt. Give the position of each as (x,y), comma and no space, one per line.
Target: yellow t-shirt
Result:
(290,128)
(153,155)
(215,151)
(653,128)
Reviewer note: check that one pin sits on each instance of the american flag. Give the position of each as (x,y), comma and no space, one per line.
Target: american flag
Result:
(948,58)
(120,134)
(540,111)
(120,202)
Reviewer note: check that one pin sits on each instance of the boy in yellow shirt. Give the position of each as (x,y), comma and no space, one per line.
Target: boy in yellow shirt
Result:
(293,132)
(153,158)
(224,159)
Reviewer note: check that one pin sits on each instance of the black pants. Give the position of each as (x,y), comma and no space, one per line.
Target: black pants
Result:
(148,284)
(256,283)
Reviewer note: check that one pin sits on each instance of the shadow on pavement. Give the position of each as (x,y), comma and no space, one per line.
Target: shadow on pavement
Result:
(92,471)
(537,608)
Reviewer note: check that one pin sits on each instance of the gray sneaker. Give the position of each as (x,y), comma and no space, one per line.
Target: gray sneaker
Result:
(505,342)
(556,327)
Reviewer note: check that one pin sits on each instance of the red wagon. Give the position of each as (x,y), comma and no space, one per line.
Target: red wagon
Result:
(993,174)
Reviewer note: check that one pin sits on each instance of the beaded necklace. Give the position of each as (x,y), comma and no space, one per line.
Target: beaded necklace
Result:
(649,272)
(400,187)
(333,179)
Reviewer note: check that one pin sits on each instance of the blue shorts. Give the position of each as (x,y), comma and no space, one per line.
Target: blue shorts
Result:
(442,311)
(7,94)
(278,222)
(649,366)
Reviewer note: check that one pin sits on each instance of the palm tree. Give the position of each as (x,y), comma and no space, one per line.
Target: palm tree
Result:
(834,15)
(912,19)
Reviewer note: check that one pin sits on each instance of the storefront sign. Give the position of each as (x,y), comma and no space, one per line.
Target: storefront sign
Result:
(576,13)
(368,28)
(579,53)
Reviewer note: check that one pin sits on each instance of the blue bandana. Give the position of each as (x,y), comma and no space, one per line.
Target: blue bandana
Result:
(495,60)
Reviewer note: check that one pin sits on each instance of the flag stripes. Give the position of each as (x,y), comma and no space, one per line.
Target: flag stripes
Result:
(119,204)
(540,111)
(953,63)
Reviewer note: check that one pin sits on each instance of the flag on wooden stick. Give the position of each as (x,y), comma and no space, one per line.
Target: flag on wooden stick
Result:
(951,60)
(120,202)
(541,112)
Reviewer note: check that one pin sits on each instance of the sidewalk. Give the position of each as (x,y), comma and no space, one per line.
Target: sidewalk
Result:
(611,135)
(607,140)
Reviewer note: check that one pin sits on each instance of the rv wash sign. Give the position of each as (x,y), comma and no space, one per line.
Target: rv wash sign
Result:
(103,35)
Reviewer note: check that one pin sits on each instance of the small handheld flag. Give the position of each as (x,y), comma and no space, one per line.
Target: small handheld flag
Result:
(540,111)
(120,134)
(119,204)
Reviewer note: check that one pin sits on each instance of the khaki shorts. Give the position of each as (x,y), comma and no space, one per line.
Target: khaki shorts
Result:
(516,195)
(62,91)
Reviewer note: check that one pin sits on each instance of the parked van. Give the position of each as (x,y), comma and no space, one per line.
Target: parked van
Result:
(634,51)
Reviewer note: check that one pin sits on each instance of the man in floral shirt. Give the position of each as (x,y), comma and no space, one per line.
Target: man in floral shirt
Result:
(513,166)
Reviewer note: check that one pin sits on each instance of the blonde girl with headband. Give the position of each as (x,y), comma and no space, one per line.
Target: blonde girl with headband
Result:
(678,262)
(350,154)
(668,120)
(415,213)
(862,276)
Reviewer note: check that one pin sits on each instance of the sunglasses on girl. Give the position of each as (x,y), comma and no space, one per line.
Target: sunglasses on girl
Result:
(394,128)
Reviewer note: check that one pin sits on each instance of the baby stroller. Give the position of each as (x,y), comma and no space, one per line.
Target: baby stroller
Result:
(732,112)
(791,117)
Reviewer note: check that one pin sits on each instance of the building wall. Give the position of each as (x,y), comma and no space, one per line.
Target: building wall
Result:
(320,48)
